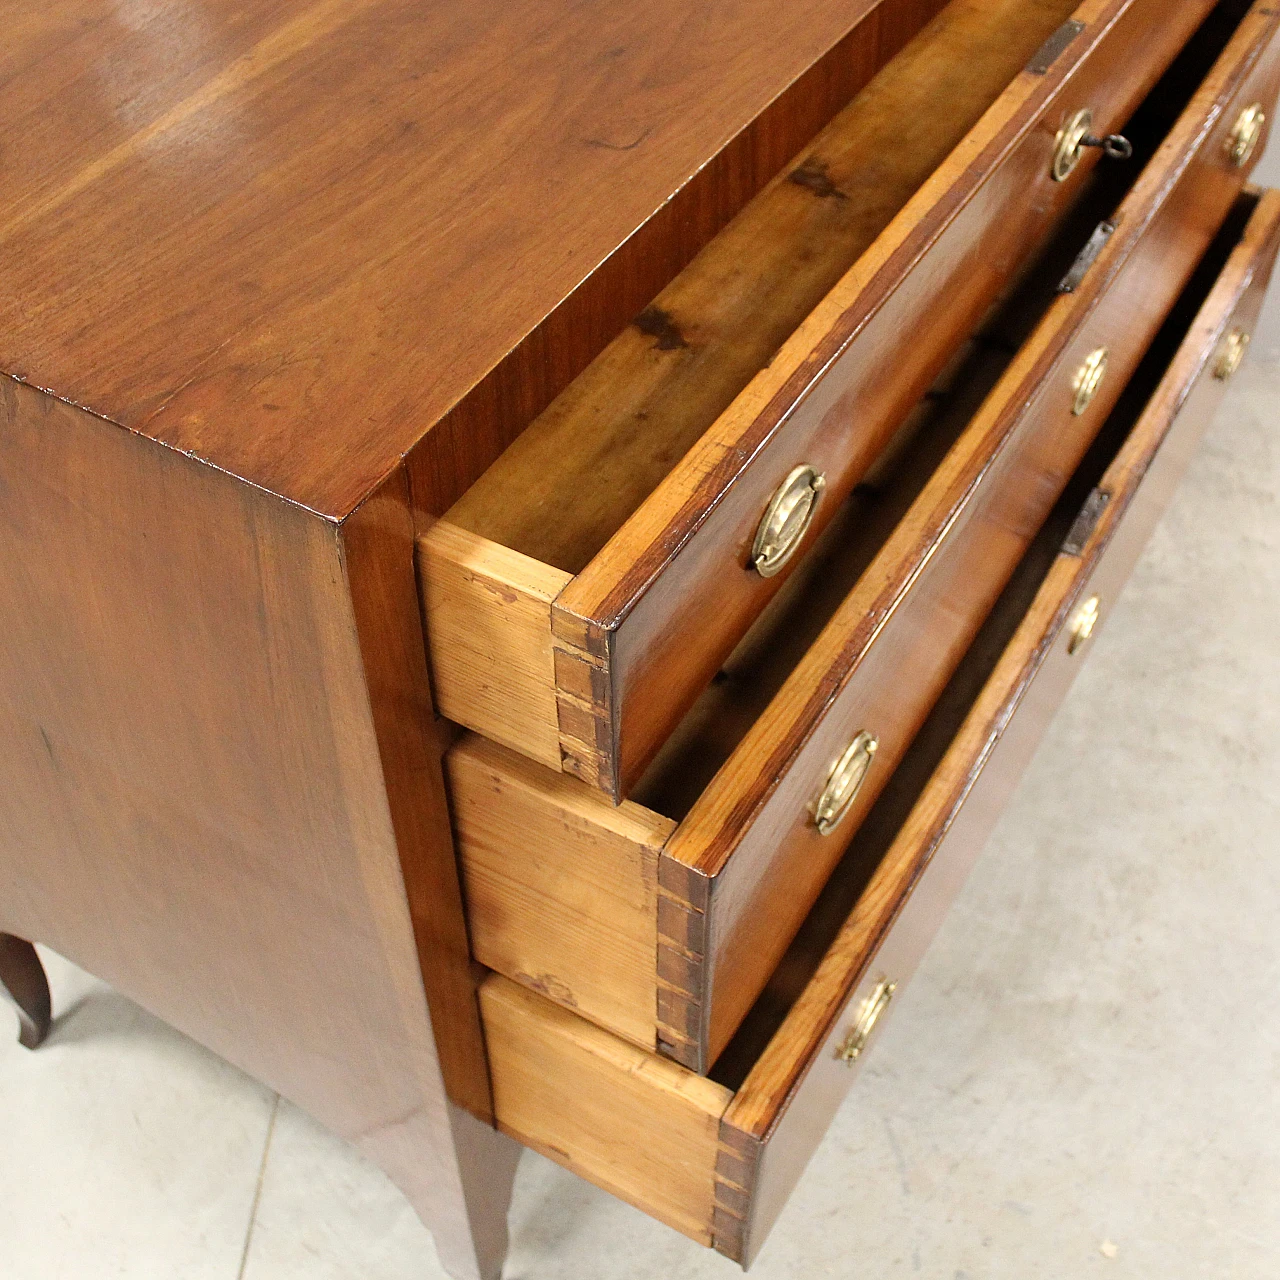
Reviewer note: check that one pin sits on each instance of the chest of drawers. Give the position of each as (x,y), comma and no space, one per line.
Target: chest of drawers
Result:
(537,545)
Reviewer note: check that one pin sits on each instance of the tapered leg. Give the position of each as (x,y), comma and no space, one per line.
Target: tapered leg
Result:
(23,983)
(473,1245)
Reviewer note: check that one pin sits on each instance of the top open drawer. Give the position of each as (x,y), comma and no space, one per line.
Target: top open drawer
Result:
(587,588)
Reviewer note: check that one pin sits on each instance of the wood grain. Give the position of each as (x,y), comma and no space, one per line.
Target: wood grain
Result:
(571,479)
(291,237)
(672,591)
(561,890)
(565,485)
(376,546)
(920,603)
(220,791)
(487,611)
(780,1112)
(599,1106)
(868,632)
(633,1123)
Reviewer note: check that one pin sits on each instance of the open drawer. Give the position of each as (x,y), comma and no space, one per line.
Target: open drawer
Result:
(716,1158)
(661,919)
(585,590)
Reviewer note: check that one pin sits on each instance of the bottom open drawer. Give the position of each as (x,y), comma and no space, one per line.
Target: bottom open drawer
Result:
(717,1157)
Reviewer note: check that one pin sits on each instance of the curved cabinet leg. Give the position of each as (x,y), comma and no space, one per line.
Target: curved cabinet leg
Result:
(23,983)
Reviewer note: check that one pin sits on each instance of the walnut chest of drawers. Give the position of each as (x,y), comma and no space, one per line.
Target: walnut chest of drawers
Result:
(536,544)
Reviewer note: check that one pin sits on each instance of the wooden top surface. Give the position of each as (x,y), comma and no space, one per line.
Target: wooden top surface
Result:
(286,236)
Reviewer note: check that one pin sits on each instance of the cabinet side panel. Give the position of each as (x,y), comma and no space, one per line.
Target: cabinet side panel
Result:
(195,806)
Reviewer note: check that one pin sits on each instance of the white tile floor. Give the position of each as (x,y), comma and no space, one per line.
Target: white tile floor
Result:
(1084,1078)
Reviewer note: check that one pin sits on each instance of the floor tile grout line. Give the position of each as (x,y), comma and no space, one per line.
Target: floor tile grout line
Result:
(257,1190)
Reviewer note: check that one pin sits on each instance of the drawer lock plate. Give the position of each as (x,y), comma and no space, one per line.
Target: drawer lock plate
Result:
(872,1010)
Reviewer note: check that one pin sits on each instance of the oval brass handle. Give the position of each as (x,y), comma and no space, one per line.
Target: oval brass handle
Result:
(1083,624)
(1233,349)
(1088,379)
(1245,134)
(785,520)
(1075,136)
(844,782)
(872,1010)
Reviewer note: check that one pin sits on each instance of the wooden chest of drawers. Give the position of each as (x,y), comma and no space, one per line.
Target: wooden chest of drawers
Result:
(653,597)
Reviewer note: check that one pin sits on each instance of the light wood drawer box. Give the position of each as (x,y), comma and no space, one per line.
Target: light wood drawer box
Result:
(581,595)
(663,918)
(716,1158)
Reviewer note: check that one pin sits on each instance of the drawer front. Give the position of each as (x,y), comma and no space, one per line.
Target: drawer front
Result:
(719,1164)
(748,861)
(645,626)
(781,1113)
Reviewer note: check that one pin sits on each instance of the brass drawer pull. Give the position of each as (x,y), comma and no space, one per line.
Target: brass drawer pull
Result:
(1233,349)
(1083,624)
(844,782)
(1077,134)
(873,1008)
(1245,135)
(1088,379)
(785,520)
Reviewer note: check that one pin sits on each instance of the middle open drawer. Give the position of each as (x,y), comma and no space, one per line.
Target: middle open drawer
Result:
(663,918)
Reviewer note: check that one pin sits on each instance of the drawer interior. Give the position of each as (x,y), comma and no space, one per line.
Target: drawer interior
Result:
(651,1131)
(562,887)
(890,812)
(567,484)
(546,595)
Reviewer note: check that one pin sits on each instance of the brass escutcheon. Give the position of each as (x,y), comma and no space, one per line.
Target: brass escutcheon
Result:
(785,520)
(1083,624)
(1234,346)
(1077,134)
(844,782)
(870,1013)
(1069,146)
(1245,134)
(1088,379)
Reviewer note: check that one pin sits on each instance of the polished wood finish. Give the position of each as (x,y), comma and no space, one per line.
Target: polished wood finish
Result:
(292,237)
(561,885)
(254,253)
(782,1110)
(651,614)
(826,400)
(747,856)
(741,870)
(547,1060)
(223,794)
(571,479)
(24,985)
(470,436)
(281,281)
